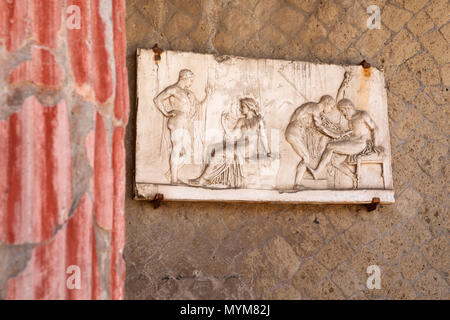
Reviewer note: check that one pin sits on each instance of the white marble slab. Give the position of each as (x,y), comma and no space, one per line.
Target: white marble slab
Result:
(238,129)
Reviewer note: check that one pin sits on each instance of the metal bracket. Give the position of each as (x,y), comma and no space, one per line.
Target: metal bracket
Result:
(157,51)
(373,206)
(365,64)
(157,200)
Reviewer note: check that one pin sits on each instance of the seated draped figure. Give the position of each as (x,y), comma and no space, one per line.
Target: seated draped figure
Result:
(225,171)
(356,143)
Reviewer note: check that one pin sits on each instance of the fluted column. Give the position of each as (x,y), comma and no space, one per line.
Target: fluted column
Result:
(63,112)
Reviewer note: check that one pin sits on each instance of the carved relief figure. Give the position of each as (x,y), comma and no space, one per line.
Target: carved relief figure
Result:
(308,128)
(300,132)
(361,141)
(179,105)
(246,134)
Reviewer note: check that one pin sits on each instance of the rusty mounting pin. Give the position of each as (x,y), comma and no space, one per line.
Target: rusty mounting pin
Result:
(373,206)
(365,64)
(157,200)
(157,51)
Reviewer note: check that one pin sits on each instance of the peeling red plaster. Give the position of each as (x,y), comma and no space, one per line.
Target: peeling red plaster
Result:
(79,248)
(103,176)
(103,84)
(39,176)
(118,234)
(77,43)
(121,105)
(13,23)
(42,70)
(46,21)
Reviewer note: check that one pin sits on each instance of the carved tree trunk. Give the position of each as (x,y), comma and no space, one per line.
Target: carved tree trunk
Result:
(63,111)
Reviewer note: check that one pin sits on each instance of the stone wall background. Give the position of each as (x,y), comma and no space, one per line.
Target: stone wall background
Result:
(249,251)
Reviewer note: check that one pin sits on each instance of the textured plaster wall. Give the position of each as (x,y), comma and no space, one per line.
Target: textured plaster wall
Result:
(216,250)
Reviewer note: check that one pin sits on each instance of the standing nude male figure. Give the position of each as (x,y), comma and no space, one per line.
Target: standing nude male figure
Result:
(363,136)
(180,106)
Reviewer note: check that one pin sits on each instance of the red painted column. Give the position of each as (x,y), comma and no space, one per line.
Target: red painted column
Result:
(63,112)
